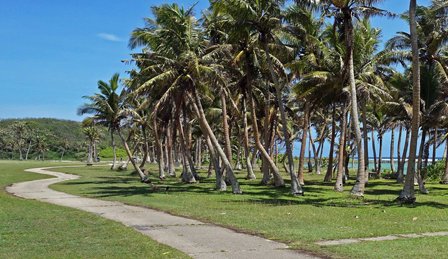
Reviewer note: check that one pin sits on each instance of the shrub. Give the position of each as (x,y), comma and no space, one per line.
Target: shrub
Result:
(108,153)
(434,172)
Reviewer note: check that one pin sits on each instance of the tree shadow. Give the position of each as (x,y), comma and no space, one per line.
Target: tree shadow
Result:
(316,192)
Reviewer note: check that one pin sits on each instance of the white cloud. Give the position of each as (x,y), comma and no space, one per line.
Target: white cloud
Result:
(109,37)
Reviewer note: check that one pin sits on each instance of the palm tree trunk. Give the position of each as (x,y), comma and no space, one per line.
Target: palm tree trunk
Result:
(303,144)
(144,178)
(196,102)
(114,150)
(154,155)
(445,151)
(400,177)
(95,153)
(187,174)
(225,125)
(348,135)
(445,175)
(238,152)
(380,154)
(188,142)
(310,164)
(90,155)
(164,153)
(434,147)
(254,159)
(266,138)
(392,150)
(317,156)
(364,133)
(159,148)
(375,161)
(339,178)
(145,147)
(278,180)
(329,173)
(199,152)
(361,177)
(315,153)
(400,129)
(220,182)
(418,175)
(296,189)
(407,195)
(169,147)
(250,172)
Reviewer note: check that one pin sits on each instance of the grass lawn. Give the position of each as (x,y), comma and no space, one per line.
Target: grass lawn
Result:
(299,221)
(33,229)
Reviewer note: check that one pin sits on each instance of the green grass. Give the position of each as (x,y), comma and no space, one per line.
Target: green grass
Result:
(33,229)
(321,214)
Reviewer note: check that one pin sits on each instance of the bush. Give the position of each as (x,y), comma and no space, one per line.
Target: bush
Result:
(108,153)
(435,171)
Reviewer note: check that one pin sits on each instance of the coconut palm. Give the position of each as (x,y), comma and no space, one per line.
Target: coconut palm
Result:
(252,25)
(92,135)
(108,109)
(344,11)
(427,43)
(407,195)
(175,66)
(105,106)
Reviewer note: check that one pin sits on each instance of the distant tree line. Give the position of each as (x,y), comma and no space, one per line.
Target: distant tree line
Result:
(46,139)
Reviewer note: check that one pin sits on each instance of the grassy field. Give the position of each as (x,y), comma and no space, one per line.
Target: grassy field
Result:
(299,221)
(33,229)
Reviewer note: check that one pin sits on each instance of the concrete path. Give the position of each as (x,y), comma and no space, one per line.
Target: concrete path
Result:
(195,238)
(380,238)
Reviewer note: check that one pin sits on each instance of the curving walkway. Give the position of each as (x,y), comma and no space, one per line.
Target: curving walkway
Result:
(195,238)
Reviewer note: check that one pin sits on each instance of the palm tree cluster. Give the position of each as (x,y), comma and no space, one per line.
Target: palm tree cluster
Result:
(251,78)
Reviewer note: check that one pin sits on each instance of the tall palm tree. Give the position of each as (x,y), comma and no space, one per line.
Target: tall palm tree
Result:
(407,195)
(344,11)
(108,108)
(254,23)
(105,106)
(175,65)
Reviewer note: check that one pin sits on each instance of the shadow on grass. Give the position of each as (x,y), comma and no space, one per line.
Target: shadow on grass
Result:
(316,193)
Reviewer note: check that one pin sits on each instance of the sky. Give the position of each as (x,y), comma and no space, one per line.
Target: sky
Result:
(53,52)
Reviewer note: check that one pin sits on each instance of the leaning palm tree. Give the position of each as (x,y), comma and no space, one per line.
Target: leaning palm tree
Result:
(252,26)
(344,11)
(105,108)
(176,67)
(108,109)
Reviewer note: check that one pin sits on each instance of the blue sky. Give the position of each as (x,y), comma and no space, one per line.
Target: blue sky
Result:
(54,52)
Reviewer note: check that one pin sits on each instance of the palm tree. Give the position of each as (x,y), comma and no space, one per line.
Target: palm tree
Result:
(92,136)
(425,42)
(407,195)
(105,106)
(176,68)
(108,109)
(253,24)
